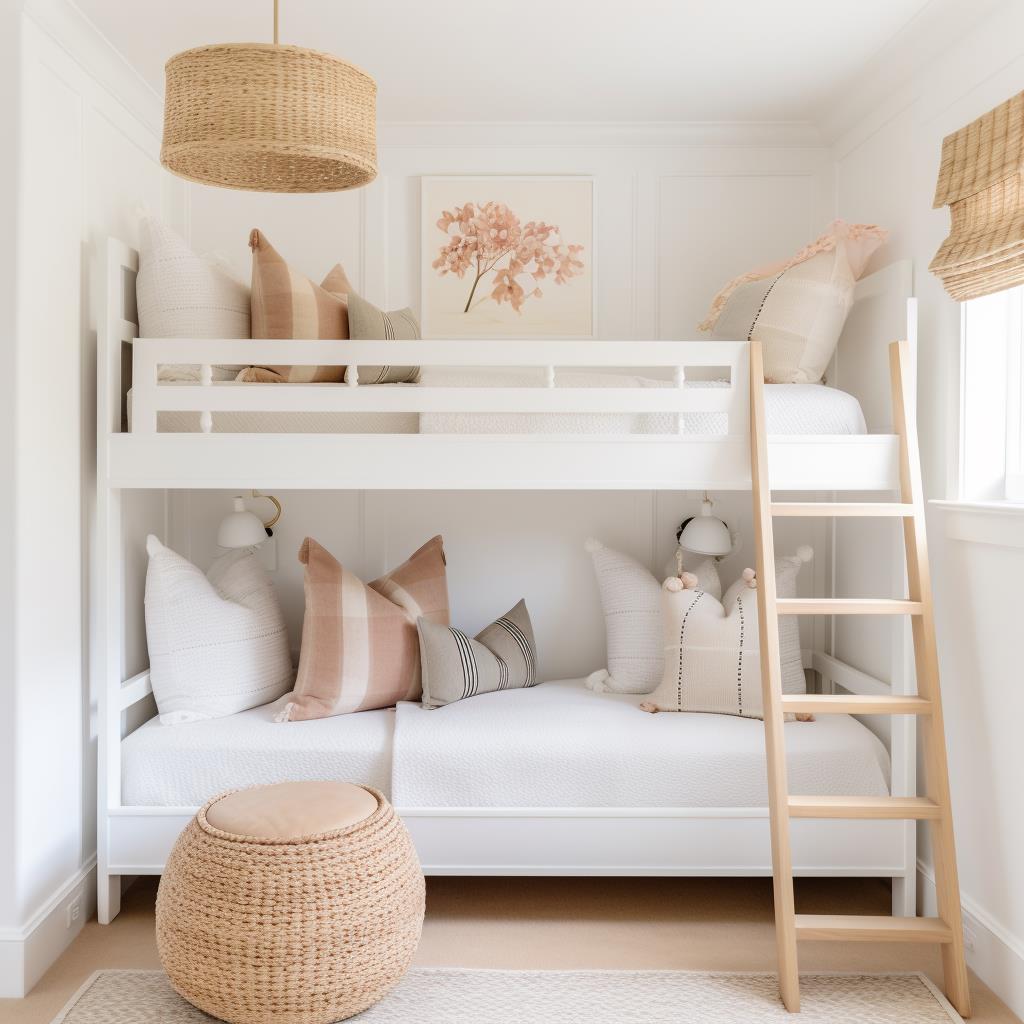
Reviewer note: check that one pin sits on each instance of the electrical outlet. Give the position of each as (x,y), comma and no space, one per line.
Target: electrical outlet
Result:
(75,911)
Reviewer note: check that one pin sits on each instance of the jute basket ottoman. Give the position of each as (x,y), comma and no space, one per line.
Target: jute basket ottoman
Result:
(300,903)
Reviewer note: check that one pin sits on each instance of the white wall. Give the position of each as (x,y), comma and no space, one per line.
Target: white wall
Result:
(678,211)
(886,166)
(10,87)
(87,149)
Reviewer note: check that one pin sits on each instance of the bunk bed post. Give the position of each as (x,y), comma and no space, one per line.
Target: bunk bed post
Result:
(113,330)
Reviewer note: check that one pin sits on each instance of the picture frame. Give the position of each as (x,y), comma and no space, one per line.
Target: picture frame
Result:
(538,285)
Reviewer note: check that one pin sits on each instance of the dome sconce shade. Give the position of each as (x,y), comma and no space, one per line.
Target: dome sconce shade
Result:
(264,117)
(704,534)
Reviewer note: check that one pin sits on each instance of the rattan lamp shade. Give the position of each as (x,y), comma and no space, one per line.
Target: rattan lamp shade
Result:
(980,180)
(269,118)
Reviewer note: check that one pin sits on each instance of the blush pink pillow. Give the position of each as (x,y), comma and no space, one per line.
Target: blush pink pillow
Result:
(360,648)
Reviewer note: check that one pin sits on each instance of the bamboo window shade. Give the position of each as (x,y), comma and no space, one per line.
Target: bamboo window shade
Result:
(980,180)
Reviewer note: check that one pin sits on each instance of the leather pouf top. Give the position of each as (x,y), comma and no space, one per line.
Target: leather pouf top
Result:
(291,810)
(298,903)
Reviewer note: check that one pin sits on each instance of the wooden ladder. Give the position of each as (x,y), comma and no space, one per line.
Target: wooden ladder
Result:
(947,928)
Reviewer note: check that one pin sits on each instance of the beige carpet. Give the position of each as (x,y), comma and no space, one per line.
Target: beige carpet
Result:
(458,996)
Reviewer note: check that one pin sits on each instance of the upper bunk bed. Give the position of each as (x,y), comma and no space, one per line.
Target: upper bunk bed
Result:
(525,415)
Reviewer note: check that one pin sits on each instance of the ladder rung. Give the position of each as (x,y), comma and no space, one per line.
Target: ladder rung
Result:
(861,928)
(841,508)
(844,606)
(890,807)
(854,704)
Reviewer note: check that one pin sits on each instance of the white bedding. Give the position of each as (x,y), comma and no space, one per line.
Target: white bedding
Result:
(561,745)
(789,409)
(554,745)
(184,765)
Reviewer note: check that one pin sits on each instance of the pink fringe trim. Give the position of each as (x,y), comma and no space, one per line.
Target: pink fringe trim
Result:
(836,232)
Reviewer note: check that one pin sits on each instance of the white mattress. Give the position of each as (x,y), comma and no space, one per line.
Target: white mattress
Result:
(184,765)
(789,409)
(561,745)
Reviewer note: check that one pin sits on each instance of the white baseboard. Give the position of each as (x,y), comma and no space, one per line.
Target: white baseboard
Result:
(27,953)
(995,955)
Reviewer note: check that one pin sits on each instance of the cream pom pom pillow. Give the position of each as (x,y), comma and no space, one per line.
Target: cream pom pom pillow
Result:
(217,640)
(712,651)
(797,307)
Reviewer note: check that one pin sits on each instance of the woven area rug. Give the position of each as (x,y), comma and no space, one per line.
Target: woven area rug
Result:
(456,996)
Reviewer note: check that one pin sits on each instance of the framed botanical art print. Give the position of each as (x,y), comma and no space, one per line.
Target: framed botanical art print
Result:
(507,257)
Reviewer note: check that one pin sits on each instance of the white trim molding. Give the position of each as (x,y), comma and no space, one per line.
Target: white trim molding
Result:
(1000,523)
(28,952)
(993,953)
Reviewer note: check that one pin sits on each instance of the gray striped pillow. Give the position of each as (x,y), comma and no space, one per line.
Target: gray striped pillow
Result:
(502,656)
(368,323)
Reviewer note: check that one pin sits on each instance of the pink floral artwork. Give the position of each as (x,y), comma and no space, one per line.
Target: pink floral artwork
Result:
(489,240)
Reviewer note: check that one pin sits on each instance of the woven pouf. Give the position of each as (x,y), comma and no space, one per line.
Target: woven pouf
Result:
(300,902)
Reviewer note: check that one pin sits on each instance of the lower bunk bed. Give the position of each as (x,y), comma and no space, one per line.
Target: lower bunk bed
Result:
(551,780)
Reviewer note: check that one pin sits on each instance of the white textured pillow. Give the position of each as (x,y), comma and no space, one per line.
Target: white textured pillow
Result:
(712,653)
(217,641)
(631,601)
(182,295)
(797,307)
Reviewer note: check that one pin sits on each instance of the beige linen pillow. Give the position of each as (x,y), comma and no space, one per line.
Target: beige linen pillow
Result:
(368,323)
(182,295)
(287,304)
(797,307)
(502,656)
(359,642)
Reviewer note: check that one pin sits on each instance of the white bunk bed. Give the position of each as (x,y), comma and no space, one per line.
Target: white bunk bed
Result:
(551,840)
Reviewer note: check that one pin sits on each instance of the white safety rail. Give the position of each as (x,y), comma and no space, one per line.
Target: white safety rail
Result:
(151,397)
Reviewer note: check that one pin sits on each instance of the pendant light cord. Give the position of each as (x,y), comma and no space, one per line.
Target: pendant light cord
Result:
(275,22)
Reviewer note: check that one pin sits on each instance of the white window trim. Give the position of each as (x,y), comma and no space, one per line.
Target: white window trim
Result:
(990,448)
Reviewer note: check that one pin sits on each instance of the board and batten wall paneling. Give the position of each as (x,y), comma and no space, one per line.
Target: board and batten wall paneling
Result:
(676,215)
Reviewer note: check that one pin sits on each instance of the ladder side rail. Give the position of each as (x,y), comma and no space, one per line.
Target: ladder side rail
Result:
(771,690)
(903,382)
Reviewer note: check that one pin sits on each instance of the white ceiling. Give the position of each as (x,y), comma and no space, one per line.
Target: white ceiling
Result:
(559,60)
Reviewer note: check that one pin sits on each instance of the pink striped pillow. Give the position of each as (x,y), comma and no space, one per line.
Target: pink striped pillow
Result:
(360,648)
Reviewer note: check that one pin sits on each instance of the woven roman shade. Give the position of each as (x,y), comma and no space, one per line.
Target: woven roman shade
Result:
(980,182)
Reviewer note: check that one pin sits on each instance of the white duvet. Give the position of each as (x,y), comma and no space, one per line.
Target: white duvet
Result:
(184,765)
(554,745)
(561,745)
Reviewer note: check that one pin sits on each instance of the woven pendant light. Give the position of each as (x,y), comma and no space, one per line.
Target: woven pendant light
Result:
(269,118)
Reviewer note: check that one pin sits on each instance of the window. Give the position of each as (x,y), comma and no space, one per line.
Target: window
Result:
(992,398)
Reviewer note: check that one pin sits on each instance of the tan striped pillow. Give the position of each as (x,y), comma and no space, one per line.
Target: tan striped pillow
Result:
(368,323)
(359,642)
(287,304)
